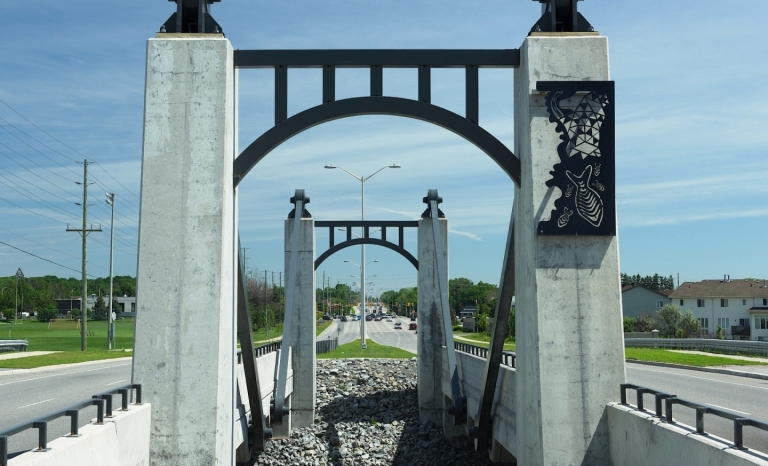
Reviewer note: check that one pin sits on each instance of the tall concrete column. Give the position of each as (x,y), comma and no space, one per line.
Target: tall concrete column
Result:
(303,323)
(184,343)
(570,352)
(431,337)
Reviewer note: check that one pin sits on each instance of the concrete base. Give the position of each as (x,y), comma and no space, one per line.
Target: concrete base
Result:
(640,439)
(303,324)
(121,441)
(570,351)
(431,337)
(185,334)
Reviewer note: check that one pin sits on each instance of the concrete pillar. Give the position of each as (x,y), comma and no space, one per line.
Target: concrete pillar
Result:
(185,339)
(303,324)
(431,337)
(570,352)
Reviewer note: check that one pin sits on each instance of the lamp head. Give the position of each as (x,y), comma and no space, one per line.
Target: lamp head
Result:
(395,165)
(330,166)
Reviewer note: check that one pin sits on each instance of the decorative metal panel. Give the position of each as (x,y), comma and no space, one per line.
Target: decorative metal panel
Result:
(582,113)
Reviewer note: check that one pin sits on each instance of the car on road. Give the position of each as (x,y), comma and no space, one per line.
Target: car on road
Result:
(327,317)
(343,318)
(412,326)
(377,318)
(398,326)
(368,318)
(389,319)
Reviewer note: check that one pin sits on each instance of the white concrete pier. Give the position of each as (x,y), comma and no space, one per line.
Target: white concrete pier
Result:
(185,335)
(570,353)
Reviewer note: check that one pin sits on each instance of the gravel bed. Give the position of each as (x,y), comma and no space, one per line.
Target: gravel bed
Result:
(367,414)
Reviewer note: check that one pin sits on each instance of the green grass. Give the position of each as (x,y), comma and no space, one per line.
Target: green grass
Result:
(65,357)
(375,350)
(274,332)
(482,339)
(41,338)
(660,355)
(322,326)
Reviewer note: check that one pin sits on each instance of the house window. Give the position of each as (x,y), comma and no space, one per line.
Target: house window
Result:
(723,303)
(761,323)
(744,322)
(743,302)
(699,303)
(659,304)
(765,302)
(681,303)
(724,322)
(704,322)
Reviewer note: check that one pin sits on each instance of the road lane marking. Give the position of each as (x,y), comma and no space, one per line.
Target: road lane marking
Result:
(64,373)
(116,382)
(702,378)
(33,404)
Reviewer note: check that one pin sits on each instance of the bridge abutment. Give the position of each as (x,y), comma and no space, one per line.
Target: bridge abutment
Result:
(185,336)
(570,353)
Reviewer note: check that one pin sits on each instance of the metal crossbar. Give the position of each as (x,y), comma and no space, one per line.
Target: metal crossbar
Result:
(102,401)
(739,420)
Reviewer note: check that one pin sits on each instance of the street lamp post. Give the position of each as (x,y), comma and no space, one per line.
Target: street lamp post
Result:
(362,180)
(111,325)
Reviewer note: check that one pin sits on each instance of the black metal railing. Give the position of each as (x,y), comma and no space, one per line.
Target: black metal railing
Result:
(268,348)
(326,346)
(102,401)
(668,400)
(508,358)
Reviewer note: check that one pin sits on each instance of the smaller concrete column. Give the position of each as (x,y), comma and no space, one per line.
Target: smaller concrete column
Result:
(431,337)
(303,323)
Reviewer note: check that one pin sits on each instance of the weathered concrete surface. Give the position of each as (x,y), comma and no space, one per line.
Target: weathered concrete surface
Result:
(185,341)
(431,337)
(121,441)
(640,439)
(570,352)
(303,324)
(472,372)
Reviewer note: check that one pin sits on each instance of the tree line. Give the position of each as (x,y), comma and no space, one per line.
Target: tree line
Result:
(39,294)
(653,282)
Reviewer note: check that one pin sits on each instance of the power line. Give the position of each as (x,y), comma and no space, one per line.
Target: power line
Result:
(32,212)
(121,184)
(44,131)
(42,258)
(36,186)
(42,201)
(29,160)
(28,145)
(31,241)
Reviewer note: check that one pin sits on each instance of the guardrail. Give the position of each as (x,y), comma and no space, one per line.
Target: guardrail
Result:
(739,420)
(735,346)
(13,345)
(268,348)
(102,401)
(326,346)
(508,358)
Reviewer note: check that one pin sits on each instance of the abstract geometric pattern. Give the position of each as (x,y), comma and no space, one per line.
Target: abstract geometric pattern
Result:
(583,116)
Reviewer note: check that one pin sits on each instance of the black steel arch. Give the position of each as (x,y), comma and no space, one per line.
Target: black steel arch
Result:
(358,241)
(378,105)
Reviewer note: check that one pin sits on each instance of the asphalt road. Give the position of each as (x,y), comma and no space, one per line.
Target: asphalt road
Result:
(384,333)
(31,394)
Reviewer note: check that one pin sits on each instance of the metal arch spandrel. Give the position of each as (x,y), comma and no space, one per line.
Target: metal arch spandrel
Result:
(394,106)
(373,241)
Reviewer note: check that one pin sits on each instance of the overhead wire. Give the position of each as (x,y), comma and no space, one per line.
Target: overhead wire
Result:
(30,146)
(32,211)
(30,160)
(48,247)
(42,258)
(41,201)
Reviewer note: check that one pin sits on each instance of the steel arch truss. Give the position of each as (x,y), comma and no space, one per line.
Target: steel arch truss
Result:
(366,238)
(377,104)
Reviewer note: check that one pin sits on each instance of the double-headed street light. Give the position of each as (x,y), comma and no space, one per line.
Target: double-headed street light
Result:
(362,180)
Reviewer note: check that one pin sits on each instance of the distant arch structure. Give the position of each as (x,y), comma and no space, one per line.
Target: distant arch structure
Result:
(369,227)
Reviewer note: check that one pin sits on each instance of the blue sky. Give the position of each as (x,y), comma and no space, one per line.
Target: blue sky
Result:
(692,167)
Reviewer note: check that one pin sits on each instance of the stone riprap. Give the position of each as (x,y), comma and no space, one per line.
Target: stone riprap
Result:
(367,414)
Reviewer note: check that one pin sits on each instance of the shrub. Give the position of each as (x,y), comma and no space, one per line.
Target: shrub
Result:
(645,323)
(629,324)
(44,315)
(689,325)
(458,328)
(719,333)
(481,322)
(670,318)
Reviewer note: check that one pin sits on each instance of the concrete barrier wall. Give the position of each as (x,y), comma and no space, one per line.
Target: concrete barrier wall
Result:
(122,440)
(641,335)
(471,372)
(736,346)
(639,439)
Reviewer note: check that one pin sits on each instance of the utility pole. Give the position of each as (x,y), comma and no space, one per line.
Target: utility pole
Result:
(265,302)
(111,328)
(323,295)
(19,274)
(84,233)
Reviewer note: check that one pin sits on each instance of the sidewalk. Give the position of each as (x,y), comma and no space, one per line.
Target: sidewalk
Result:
(24,354)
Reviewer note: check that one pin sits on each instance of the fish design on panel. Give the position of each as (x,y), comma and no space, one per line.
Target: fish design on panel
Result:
(583,115)
(589,206)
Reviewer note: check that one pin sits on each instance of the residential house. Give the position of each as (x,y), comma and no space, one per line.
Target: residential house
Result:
(637,300)
(727,303)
